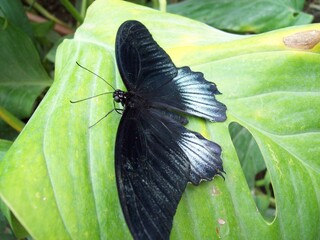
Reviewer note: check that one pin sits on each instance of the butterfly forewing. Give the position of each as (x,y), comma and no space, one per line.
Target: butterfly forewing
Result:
(141,61)
(190,93)
(148,70)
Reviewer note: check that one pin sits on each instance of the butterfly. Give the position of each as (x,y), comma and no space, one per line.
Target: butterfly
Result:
(155,155)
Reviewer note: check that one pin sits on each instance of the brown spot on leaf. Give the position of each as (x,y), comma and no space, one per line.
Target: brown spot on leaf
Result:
(303,40)
(215,191)
(218,232)
(221,221)
(222,229)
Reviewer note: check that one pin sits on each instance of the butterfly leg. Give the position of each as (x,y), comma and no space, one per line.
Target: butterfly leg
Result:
(118,110)
(102,118)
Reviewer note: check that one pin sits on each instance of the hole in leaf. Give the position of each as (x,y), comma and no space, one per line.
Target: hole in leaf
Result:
(255,170)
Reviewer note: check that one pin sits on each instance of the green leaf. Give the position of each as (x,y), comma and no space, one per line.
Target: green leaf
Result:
(5,231)
(42,29)
(51,54)
(64,171)
(245,15)
(22,77)
(5,214)
(13,11)
(4,147)
(6,218)
(248,152)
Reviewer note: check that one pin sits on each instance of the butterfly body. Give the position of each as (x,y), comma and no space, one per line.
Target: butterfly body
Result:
(155,155)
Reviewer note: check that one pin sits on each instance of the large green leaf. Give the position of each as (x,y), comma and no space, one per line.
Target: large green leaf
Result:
(6,216)
(14,12)
(22,77)
(244,16)
(58,177)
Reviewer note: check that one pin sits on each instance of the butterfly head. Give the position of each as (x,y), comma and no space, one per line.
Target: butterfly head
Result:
(120,96)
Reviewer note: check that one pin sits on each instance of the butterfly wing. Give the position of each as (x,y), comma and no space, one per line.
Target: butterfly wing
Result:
(204,156)
(148,70)
(190,93)
(141,61)
(151,172)
(153,166)
(155,155)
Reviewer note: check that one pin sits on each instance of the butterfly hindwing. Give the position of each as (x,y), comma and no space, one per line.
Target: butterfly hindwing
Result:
(204,156)
(152,173)
(153,167)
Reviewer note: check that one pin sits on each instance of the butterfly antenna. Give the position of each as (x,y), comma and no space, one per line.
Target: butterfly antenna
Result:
(102,118)
(95,75)
(81,100)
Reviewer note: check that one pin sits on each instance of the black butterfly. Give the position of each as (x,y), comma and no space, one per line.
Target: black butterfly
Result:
(155,155)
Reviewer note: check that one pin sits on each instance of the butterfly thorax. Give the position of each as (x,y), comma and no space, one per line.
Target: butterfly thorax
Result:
(128,99)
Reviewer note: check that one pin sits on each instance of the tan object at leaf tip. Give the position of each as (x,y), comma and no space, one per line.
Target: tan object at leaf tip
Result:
(303,40)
